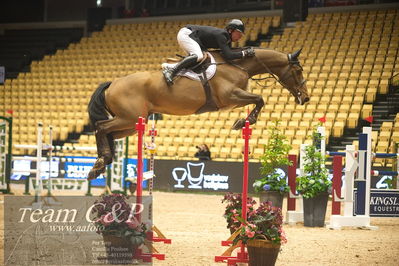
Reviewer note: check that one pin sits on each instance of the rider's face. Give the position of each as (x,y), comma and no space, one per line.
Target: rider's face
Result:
(236,35)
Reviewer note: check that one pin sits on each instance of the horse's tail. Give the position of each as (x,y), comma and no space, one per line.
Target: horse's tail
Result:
(96,107)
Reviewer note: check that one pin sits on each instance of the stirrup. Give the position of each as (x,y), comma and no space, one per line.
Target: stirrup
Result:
(168,75)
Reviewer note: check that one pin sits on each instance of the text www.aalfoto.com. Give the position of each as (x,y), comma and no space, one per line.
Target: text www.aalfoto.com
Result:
(75,228)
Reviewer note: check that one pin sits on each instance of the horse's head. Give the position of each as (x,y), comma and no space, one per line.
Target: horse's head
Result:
(291,78)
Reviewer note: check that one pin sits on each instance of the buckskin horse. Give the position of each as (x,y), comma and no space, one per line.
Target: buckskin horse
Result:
(114,107)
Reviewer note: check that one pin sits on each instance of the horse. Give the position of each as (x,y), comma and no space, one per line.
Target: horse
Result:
(115,107)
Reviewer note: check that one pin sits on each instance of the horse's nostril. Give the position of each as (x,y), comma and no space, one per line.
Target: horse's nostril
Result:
(306,99)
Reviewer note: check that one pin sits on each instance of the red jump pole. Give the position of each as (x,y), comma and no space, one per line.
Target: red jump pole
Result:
(246,135)
(140,127)
(242,254)
(337,184)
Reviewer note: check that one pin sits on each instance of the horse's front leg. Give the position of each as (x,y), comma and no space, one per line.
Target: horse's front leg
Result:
(241,98)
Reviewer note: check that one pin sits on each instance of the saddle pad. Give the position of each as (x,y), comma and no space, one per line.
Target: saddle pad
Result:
(210,71)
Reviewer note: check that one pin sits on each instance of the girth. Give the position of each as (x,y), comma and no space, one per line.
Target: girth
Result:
(210,104)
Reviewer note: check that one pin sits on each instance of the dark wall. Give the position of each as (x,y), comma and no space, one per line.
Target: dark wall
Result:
(61,10)
(12,11)
(295,10)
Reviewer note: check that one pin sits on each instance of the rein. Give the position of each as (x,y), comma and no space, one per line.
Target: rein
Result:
(269,72)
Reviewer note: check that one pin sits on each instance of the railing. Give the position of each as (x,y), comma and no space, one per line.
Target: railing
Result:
(393,94)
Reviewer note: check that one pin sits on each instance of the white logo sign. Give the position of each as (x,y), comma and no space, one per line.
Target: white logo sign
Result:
(194,173)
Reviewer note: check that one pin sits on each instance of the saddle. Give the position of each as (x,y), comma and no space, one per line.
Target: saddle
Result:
(206,65)
(198,68)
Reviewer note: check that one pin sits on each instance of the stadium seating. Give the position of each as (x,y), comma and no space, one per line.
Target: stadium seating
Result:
(347,57)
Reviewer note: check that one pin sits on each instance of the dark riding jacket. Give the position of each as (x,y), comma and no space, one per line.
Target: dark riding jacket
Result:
(211,37)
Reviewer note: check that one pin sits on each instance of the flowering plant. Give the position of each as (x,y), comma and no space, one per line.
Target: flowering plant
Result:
(265,223)
(315,180)
(114,216)
(275,156)
(234,209)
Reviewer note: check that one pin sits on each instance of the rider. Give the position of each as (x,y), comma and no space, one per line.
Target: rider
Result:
(194,39)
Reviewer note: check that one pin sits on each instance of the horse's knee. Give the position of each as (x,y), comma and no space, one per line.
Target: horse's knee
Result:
(102,127)
(100,130)
(107,158)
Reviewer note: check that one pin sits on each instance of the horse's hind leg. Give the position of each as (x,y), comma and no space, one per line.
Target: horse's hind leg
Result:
(104,155)
(241,98)
(104,139)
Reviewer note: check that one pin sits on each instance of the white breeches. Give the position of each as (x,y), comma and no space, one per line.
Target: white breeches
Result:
(188,44)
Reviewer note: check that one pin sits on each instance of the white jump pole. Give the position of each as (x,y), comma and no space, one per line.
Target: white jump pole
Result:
(75,160)
(50,159)
(39,159)
(362,202)
(55,148)
(322,132)
(350,169)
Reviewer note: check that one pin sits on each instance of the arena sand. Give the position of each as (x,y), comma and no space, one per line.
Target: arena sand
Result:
(196,226)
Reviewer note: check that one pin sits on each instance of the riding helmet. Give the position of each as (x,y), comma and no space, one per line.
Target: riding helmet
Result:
(236,24)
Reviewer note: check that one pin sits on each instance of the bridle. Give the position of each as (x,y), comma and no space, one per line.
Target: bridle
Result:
(284,77)
(297,89)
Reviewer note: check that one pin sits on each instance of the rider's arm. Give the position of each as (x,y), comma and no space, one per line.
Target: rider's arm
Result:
(227,53)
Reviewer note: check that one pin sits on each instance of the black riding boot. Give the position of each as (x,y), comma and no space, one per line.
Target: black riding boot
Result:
(170,72)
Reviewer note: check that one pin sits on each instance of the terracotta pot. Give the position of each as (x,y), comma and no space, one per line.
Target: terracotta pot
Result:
(274,196)
(119,250)
(262,252)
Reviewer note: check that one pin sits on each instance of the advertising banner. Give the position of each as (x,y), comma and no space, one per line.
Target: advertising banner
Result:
(74,230)
(197,176)
(384,203)
(77,170)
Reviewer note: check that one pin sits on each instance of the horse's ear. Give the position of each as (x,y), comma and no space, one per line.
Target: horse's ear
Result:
(295,55)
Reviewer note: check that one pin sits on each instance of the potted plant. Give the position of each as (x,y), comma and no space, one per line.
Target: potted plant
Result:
(121,231)
(273,185)
(314,185)
(234,210)
(263,234)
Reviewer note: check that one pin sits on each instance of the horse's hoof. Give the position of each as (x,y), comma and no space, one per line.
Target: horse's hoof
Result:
(239,124)
(92,175)
(95,172)
(98,169)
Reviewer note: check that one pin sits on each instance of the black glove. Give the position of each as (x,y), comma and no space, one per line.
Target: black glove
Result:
(249,52)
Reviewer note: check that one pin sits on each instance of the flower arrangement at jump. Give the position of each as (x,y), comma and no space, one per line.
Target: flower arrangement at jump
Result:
(315,180)
(314,185)
(273,182)
(265,223)
(114,217)
(262,233)
(275,156)
(234,210)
